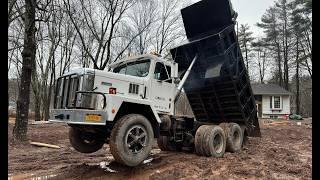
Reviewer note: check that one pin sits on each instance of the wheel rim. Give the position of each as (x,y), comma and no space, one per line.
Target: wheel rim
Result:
(136,139)
(218,143)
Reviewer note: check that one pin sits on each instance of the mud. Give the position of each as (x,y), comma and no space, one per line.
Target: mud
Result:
(283,152)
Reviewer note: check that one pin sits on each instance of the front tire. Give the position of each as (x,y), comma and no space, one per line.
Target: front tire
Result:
(131,139)
(82,143)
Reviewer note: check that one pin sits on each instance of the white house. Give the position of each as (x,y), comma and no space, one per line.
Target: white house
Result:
(272,101)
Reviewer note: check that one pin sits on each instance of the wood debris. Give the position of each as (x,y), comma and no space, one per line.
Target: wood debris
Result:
(45,145)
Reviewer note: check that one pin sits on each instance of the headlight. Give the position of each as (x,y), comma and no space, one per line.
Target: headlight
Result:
(102,104)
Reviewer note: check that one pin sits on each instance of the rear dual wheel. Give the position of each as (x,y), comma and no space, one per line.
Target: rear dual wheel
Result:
(234,138)
(210,140)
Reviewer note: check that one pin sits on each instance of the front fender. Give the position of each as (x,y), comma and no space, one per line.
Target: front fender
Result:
(114,103)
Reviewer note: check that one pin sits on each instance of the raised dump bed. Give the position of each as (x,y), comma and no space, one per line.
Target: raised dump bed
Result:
(218,87)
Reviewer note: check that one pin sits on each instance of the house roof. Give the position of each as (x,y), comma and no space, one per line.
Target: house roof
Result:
(269,89)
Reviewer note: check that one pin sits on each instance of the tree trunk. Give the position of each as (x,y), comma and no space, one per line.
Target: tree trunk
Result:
(47,107)
(279,65)
(37,106)
(306,60)
(297,79)
(28,59)
(246,52)
(263,67)
(36,93)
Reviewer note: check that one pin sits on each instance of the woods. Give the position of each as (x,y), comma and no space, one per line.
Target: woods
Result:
(48,38)
(283,55)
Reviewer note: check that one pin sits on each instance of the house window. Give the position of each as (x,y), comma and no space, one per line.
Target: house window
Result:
(275,102)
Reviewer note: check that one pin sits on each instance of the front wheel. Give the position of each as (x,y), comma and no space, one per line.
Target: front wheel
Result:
(131,139)
(83,143)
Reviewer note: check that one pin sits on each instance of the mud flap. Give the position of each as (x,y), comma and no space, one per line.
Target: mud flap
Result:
(255,129)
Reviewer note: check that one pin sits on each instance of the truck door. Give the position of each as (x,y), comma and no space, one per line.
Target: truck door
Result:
(162,88)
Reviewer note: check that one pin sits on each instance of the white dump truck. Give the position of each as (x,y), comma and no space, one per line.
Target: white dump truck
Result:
(133,101)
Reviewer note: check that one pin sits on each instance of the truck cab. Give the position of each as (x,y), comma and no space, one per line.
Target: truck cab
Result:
(145,79)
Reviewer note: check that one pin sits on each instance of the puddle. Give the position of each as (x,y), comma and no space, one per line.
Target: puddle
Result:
(147,161)
(30,176)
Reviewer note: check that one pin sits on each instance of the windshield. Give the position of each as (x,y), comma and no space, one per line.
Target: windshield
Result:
(139,69)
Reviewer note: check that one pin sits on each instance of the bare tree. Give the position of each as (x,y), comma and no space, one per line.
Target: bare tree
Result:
(102,19)
(67,46)
(245,39)
(28,56)
(15,42)
(260,50)
(168,28)
(141,19)
(15,8)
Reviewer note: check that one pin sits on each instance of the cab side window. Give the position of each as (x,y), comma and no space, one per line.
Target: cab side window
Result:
(161,73)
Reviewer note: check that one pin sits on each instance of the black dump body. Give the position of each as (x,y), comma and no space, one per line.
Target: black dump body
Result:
(218,87)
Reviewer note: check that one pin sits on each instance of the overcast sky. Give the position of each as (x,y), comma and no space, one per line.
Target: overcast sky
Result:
(250,12)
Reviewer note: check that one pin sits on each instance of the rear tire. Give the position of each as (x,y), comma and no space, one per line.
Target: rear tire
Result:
(215,141)
(83,144)
(234,138)
(199,140)
(131,139)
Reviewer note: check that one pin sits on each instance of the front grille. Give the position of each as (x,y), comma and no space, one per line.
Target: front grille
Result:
(66,88)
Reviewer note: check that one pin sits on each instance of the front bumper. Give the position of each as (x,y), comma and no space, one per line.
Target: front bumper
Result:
(78,116)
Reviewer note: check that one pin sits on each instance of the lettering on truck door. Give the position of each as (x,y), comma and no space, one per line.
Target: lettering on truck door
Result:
(162,88)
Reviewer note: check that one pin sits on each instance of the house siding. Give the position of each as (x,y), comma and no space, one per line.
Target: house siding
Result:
(267,111)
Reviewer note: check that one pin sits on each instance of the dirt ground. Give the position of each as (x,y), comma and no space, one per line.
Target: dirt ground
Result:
(283,152)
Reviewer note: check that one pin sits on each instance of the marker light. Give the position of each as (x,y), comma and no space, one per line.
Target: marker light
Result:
(112,90)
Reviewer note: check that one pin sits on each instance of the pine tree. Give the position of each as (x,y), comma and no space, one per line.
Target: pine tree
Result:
(269,22)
